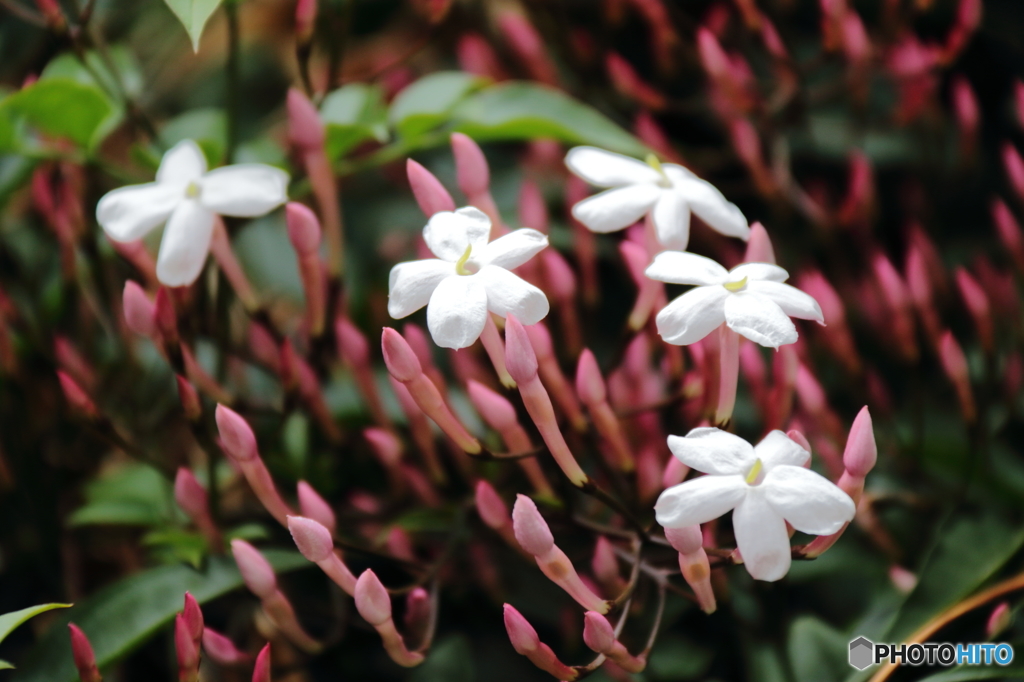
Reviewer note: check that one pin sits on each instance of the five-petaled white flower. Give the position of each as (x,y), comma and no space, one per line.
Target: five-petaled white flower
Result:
(188,198)
(751,299)
(669,191)
(469,277)
(765,485)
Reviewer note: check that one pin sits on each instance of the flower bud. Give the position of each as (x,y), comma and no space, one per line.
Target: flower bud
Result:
(495,409)
(315,507)
(193,617)
(256,571)
(191,404)
(628,83)
(528,45)
(977,305)
(560,278)
(303,228)
(352,343)
(589,382)
(522,635)
(533,212)
(759,246)
(81,652)
(221,649)
(685,540)
(189,494)
(520,359)
(386,445)
(188,652)
(965,105)
(476,56)
(861,452)
(800,439)
(261,672)
(236,435)
(305,129)
(530,528)
(139,311)
(399,357)
(312,538)
(955,365)
(998,620)
(471,168)
(492,509)
(902,579)
(78,400)
(430,194)
(1009,231)
(372,599)
(1014,166)
(597,632)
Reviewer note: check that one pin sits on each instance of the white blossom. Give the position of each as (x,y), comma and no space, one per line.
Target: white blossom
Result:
(765,486)
(668,191)
(469,277)
(188,197)
(751,299)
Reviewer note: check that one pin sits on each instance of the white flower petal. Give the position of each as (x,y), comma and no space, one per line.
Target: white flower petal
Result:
(759,319)
(683,267)
(128,213)
(183,163)
(793,302)
(411,284)
(757,272)
(508,293)
(513,249)
(185,243)
(672,220)
(808,500)
(615,209)
(692,316)
(245,190)
(677,174)
(777,448)
(714,209)
(761,536)
(699,500)
(713,451)
(448,233)
(607,169)
(457,311)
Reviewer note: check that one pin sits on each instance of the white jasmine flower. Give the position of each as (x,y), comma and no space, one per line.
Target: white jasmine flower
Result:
(751,299)
(765,485)
(669,191)
(468,278)
(188,198)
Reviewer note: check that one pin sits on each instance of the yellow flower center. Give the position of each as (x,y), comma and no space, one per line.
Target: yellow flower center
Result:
(736,286)
(655,163)
(460,265)
(755,471)
(192,191)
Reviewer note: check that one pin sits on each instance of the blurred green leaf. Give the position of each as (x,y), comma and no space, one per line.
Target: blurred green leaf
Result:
(817,651)
(450,660)
(63,107)
(208,127)
(354,114)
(119,69)
(968,551)
(10,621)
(174,545)
(4,665)
(193,15)
(426,103)
(678,658)
(122,616)
(526,111)
(132,494)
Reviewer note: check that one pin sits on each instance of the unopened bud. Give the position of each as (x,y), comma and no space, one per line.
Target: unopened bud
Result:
(77,398)
(221,649)
(315,507)
(520,359)
(261,672)
(759,246)
(495,409)
(139,311)
(235,434)
(385,444)
(305,129)
(492,509)
(685,540)
(597,632)
(998,620)
(312,538)
(471,168)
(589,382)
(530,528)
(189,494)
(82,653)
(399,357)
(430,194)
(303,228)
(193,617)
(372,599)
(256,571)
(191,404)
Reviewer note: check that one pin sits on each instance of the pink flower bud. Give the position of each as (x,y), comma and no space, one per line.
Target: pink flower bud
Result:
(189,494)
(528,45)
(352,343)
(235,434)
(759,246)
(476,56)
(977,304)
(1014,166)
(261,672)
(1009,231)
(800,439)
(597,632)
(522,635)
(221,649)
(520,359)
(78,400)
(305,129)
(902,579)
(533,211)
(530,528)
(495,409)
(372,599)
(191,404)
(998,620)
(965,105)
(256,571)
(139,311)
(861,452)
(399,357)
(303,228)
(685,540)
(312,538)
(315,507)
(386,445)
(81,652)
(193,617)
(605,564)
(856,43)
(810,391)
(430,194)
(305,20)
(712,57)
(471,168)
(589,382)
(628,83)
(954,363)
(188,653)
(492,509)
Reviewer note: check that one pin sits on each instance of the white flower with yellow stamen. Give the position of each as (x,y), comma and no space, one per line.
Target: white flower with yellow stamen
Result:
(469,277)
(751,299)
(765,486)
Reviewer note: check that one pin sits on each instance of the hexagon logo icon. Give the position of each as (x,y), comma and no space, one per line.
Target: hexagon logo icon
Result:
(862,653)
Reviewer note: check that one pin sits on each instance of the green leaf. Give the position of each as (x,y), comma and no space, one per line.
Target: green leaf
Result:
(63,107)
(174,545)
(10,621)
(425,104)
(4,665)
(817,651)
(133,494)
(207,127)
(678,658)
(193,15)
(352,115)
(122,616)
(450,660)
(97,70)
(526,111)
(968,552)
